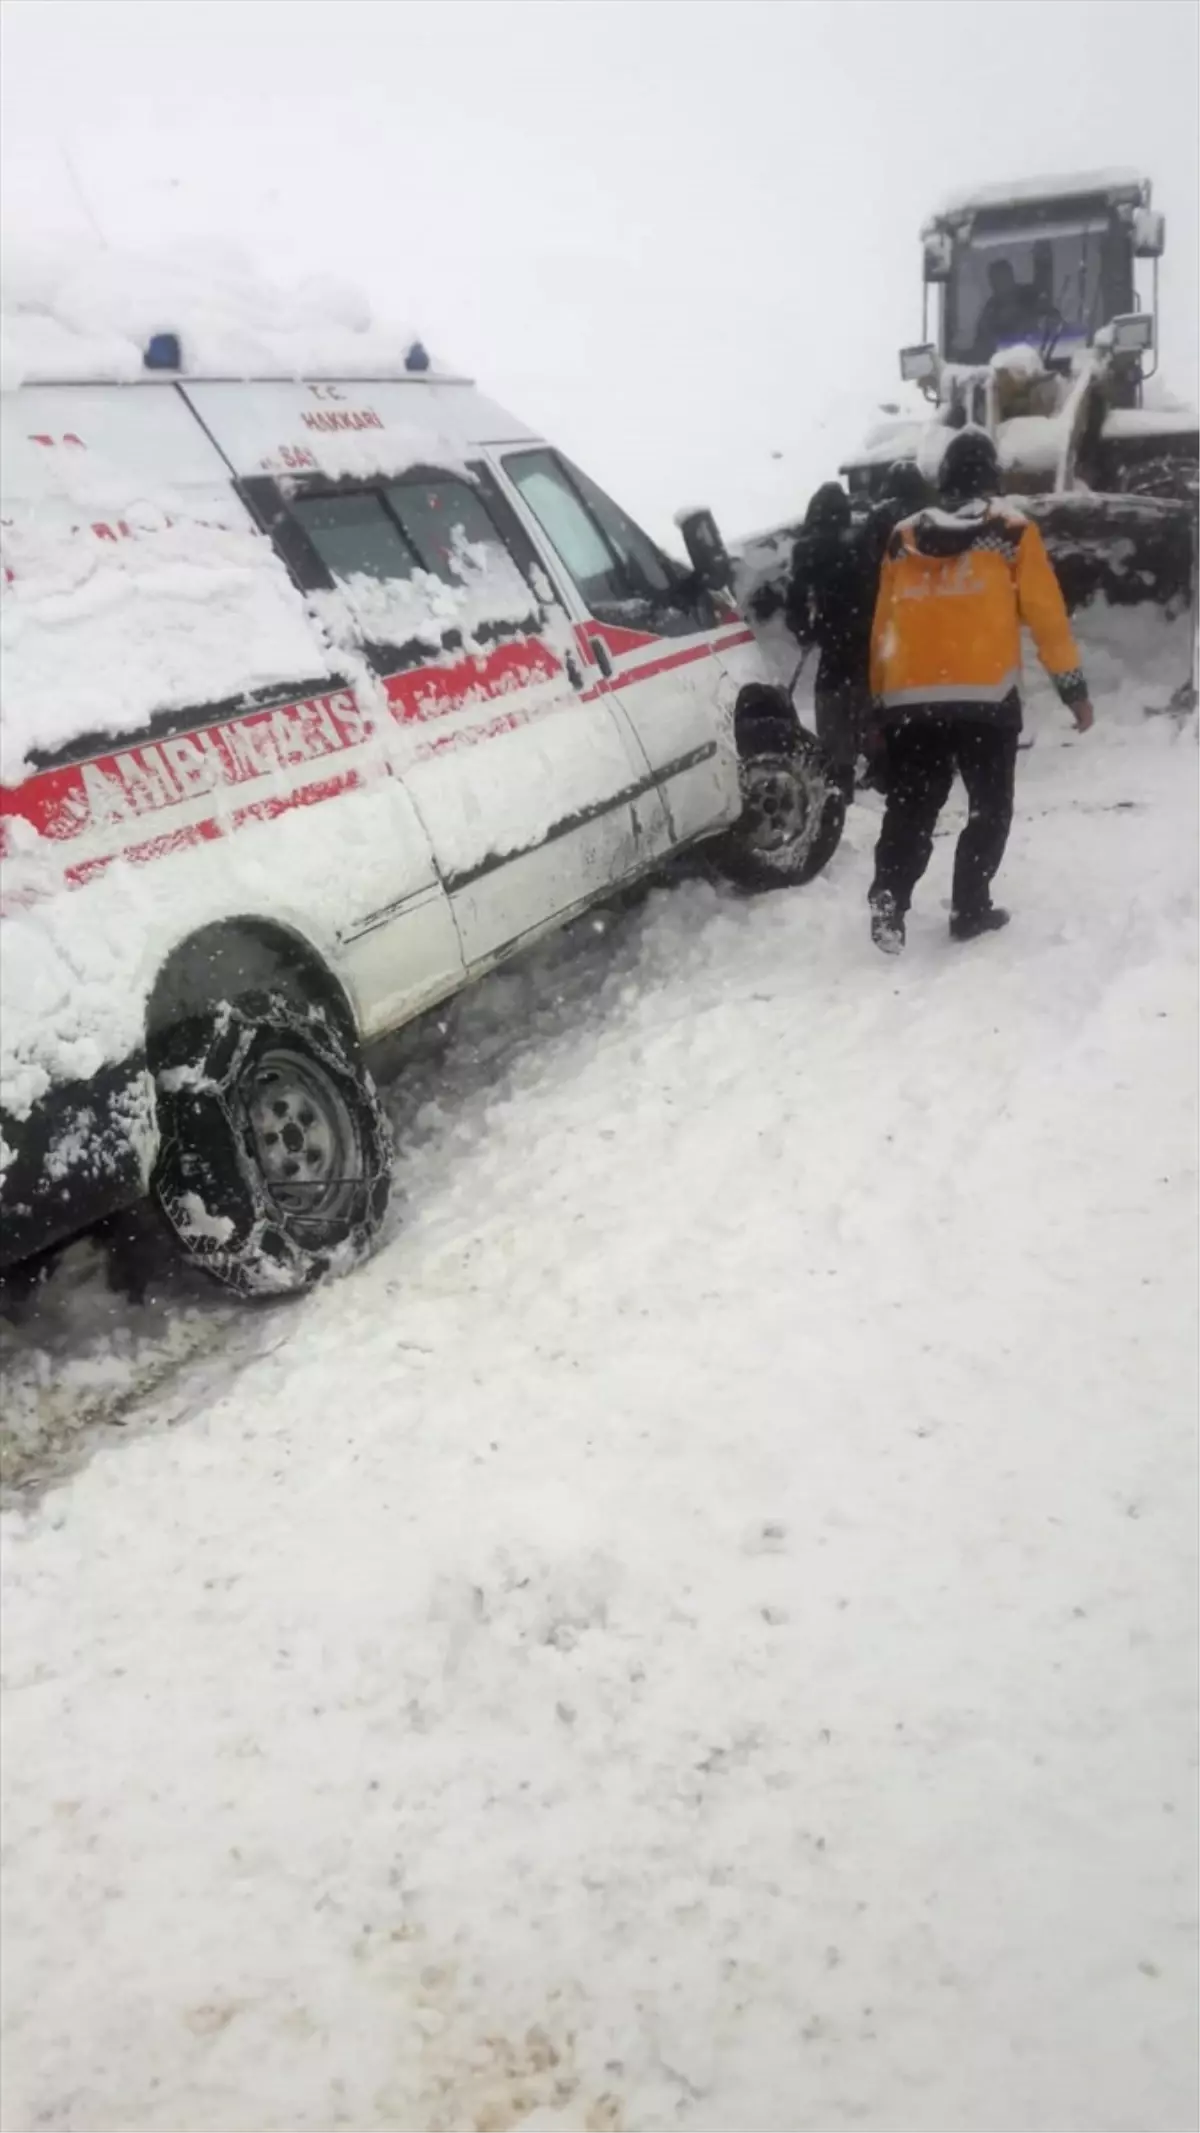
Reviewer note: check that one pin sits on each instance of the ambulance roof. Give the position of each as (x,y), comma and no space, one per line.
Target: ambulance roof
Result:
(76,315)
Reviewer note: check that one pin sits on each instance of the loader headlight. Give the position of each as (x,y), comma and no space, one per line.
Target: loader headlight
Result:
(1132,333)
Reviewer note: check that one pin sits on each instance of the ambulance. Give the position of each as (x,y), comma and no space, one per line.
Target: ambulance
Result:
(323,694)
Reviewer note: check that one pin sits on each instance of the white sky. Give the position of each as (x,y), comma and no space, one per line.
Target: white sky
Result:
(679,235)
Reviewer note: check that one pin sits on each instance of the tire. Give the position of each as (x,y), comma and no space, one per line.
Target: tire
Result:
(792,820)
(21,1285)
(275,1158)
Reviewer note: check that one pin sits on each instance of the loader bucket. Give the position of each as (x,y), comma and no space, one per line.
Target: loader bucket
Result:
(1124,549)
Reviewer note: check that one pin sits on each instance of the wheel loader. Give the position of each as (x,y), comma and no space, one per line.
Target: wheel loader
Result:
(1040,340)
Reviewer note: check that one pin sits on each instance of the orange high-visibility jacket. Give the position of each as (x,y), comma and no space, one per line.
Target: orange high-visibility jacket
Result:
(954,589)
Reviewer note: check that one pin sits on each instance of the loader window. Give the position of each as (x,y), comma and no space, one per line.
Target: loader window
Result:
(1043,284)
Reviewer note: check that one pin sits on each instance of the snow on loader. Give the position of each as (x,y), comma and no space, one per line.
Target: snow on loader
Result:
(1039,341)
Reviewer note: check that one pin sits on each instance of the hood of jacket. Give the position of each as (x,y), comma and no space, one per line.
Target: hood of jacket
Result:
(937,532)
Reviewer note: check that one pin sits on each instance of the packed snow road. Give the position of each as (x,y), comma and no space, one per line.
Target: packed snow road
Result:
(699,1632)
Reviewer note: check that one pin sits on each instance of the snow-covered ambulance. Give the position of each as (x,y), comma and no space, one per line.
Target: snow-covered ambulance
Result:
(327,684)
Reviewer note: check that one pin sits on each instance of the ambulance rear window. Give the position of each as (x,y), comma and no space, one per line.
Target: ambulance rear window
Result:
(354,535)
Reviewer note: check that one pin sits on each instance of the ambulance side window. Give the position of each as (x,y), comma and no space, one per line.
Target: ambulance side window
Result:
(569,527)
(438,516)
(644,566)
(368,555)
(355,536)
(621,575)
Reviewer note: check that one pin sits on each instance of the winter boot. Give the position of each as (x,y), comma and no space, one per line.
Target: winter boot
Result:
(887,923)
(968,925)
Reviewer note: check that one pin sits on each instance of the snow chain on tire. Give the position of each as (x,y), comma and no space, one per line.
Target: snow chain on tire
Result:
(792,862)
(260,1235)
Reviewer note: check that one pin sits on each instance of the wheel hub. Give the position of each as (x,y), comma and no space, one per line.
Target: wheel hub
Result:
(301,1132)
(777,810)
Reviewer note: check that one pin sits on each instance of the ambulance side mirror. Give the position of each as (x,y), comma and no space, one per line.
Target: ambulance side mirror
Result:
(707,552)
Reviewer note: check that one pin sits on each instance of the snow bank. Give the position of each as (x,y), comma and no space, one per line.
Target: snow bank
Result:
(73,313)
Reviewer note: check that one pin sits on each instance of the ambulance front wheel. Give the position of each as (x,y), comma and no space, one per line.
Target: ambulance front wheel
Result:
(793,814)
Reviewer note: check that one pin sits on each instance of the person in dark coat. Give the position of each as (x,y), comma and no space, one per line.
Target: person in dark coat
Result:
(905,492)
(830,602)
(1010,313)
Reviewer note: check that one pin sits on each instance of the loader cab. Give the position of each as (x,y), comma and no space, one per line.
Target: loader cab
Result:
(1046,266)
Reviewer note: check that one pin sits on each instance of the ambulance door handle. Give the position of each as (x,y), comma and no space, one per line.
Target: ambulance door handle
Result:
(602,657)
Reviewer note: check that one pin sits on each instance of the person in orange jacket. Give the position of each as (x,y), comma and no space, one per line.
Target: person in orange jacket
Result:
(956,584)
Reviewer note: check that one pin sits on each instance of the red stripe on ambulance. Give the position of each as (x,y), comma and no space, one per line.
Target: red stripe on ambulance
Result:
(126,786)
(131,783)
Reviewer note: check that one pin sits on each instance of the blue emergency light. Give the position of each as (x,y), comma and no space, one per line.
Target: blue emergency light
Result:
(162,352)
(417,357)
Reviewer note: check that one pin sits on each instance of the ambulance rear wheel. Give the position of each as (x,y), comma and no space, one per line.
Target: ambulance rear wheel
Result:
(275,1157)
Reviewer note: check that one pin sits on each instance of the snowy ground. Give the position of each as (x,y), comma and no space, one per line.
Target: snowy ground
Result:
(701,1631)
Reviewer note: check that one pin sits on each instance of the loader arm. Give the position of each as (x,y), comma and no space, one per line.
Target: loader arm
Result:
(1075,417)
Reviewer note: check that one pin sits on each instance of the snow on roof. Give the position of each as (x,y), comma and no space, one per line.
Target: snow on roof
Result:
(1072,186)
(74,314)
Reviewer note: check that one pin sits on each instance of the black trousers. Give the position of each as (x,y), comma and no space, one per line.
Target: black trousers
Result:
(843,721)
(922,756)
(843,717)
